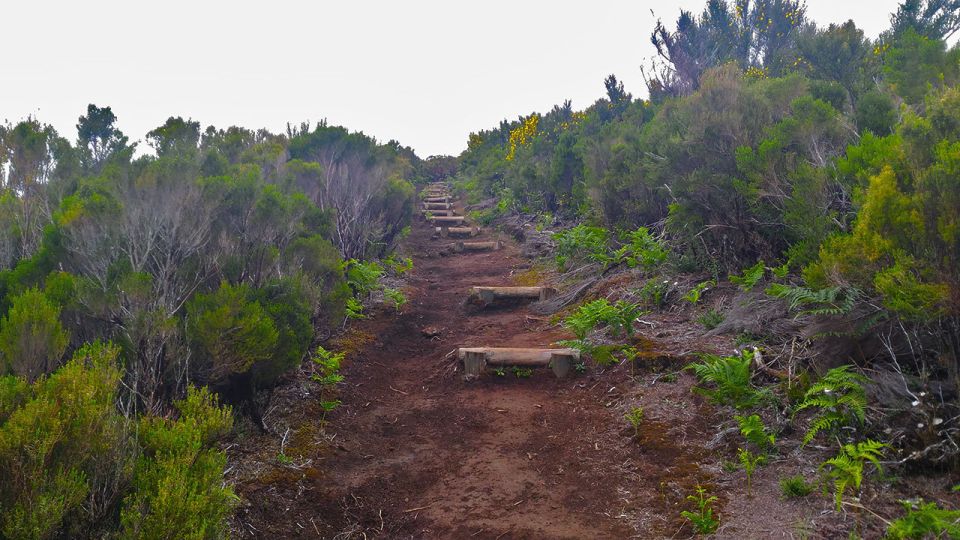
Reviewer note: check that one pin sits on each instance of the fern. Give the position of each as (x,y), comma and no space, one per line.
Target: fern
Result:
(730,377)
(703,520)
(626,314)
(753,430)
(582,243)
(829,301)
(750,462)
(839,399)
(750,276)
(846,468)
(925,520)
(641,249)
(328,363)
(693,295)
(588,316)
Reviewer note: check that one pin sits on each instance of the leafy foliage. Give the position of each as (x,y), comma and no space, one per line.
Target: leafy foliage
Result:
(32,339)
(838,399)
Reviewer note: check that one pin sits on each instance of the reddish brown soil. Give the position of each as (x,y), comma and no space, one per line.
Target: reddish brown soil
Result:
(416,452)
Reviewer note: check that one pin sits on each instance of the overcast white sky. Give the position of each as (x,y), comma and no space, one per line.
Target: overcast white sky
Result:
(423,72)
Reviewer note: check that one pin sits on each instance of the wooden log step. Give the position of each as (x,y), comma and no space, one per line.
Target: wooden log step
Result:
(457,220)
(438,212)
(488,295)
(437,200)
(437,206)
(458,231)
(476,359)
(460,247)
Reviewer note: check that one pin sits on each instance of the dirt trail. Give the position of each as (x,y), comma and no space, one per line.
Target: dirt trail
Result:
(419,453)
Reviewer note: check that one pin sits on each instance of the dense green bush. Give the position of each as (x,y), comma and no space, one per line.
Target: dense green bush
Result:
(74,466)
(32,338)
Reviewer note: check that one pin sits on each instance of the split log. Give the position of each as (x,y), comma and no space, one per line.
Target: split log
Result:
(458,231)
(515,356)
(456,220)
(460,247)
(442,213)
(437,206)
(488,295)
(437,199)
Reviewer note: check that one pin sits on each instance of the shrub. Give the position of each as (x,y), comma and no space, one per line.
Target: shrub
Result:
(839,400)
(178,481)
(53,445)
(32,339)
(794,487)
(72,469)
(230,331)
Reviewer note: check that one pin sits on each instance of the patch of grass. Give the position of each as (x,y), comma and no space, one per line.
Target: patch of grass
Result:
(531,277)
(795,487)
(711,319)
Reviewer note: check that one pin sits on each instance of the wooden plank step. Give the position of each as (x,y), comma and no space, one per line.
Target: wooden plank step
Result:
(437,206)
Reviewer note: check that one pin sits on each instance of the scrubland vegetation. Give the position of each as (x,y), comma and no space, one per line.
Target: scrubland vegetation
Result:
(147,303)
(215,263)
(811,168)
